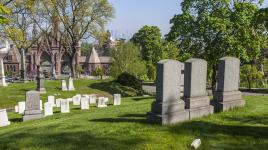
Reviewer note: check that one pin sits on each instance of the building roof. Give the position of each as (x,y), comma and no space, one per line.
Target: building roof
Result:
(94,57)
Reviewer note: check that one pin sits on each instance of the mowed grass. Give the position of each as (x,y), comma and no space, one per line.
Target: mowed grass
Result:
(125,127)
(15,92)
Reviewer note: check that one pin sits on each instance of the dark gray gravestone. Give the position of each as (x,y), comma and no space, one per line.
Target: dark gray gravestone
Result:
(195,95)
(227,95)
(32,108)
(40,81)
(168,108)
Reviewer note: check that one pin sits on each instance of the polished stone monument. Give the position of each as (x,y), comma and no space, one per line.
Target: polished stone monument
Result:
(32,110)
(227,94)
(168,108)
(40,81)
(4,48)
(4,118)
(195,94)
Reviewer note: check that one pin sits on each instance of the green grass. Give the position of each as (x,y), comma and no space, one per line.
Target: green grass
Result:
(15,92)
(125,127)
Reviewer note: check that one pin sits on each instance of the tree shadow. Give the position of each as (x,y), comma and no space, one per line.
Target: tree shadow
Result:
(129,118)
(82,140)
(249,119)
(142,98)
(113,88)
(16,120)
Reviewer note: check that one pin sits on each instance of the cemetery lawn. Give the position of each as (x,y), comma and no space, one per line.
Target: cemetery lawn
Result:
(124,127)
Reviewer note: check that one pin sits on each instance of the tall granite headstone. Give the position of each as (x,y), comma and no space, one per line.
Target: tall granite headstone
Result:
(227,95)
(32,110)
(168,108)
(63,85)
(40,81)
(195,95)
(4,118)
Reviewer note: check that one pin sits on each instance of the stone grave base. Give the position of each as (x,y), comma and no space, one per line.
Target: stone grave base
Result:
(225,106)
(199,112)
(227,96)
(32,115)
(166,108)
(7,123)
(195,102)
(170,118)
(42,91)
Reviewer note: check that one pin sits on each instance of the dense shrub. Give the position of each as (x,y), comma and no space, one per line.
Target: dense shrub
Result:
(130,80)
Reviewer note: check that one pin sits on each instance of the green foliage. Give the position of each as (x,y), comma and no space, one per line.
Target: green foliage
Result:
(98,72)
(86,48)
(127,58)
(79,70)
(3,11)
(214,29)
(129,80)
(250,75)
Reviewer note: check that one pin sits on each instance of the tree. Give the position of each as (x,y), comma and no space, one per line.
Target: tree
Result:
(250,75)
(98,72)
(214,29)
(127,58)
(86,48)
(79,20)
(3,11)
(103,39)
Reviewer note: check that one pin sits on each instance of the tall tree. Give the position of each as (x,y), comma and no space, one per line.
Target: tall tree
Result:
(79,20)
(213,29)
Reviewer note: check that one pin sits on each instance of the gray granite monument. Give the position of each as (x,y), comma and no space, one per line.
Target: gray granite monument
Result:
(40,81)
(195,95)
(32,110)
(168,108)
(227,95)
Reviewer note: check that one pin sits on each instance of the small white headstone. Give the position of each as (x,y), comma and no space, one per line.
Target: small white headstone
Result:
(63,85)
(51,99)
(70,100)
(117,99)
(84,103)
(4,118)
(41,104)
(71,84)
(92,99)
(102,102)
(76,100)
(64,106)
(16,108)
(21,107)
(196,143)
(48,109)
(58,102)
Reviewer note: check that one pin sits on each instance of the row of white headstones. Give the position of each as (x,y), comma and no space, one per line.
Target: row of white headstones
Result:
(78,100)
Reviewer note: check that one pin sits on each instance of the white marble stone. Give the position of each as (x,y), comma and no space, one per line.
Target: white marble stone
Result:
(58,102)
(63,85)
(84,103)
(51,99)
(196,143)
(16,108)
(21,107)
(71,84)
(117,99)
(48,109)
(102,102)
(65,108)
(76,100)
(70,100)
(41,104)
(92,99)
(4,118)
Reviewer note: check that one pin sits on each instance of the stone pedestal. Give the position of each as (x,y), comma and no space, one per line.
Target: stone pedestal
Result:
(4,118)
(32,110)
(40,81)
(195,95)
(168,107)
(227,95)
(2,73)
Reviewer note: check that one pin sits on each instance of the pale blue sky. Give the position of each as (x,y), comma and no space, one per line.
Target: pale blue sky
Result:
(131,15)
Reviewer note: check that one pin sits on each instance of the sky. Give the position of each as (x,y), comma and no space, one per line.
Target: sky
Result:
(131,15)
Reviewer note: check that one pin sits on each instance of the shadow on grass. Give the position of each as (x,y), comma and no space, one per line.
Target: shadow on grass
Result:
(82,140)
(212,129)
(142,98)
(130,118)
(113,88)
(15,120)
(250,119)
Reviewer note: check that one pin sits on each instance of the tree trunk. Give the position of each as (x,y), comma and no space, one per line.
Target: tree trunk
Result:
(23,66)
